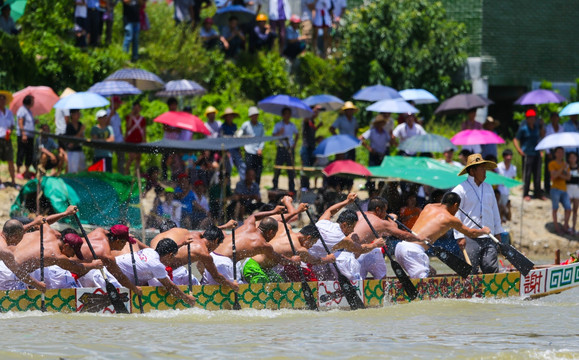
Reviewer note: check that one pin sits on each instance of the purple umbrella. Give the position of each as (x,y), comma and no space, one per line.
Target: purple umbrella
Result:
(461,103)
(276,103)
(540,96)
(376,93)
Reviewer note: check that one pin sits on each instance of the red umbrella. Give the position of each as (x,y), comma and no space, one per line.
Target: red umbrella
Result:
(346,167)
(44,99)
(183,120)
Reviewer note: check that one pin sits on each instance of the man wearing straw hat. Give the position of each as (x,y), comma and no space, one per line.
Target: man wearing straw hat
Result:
(6,127)
(212,125)
(229,128)
(479,202)
(347,124)
(376,140)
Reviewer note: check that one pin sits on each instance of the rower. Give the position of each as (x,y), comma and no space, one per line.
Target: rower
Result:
(251,240)
(151,264)
(342,241)
(373,262)
(434,221)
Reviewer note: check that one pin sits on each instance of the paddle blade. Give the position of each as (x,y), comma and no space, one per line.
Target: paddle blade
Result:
(452,261)
(404,279)
(350,292)
(309,296)
(115,298)
(519,261)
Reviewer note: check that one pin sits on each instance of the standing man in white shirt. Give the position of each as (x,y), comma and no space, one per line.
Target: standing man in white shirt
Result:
(253,152)
(24,131)
(285,155)
(479,202)
(6,127)
(407,130)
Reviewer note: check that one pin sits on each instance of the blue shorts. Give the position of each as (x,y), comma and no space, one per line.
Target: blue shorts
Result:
(560,196)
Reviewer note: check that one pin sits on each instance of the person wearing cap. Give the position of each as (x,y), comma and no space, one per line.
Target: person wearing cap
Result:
(212,125)
(309,128)
(279,12)
(74,153)
(151,264)
(347,124)
(234,36)
(479,202)
(407,130)
(170,208)
(6,127)
(115,122)
(490,149)
(104,132)
(253,152)
(136,133)
(25,122)
(376,140)
(295,42)
(285,155)
(229,128)
(210,36)
(261,36)
(47,152)
(527,138)
(448,158)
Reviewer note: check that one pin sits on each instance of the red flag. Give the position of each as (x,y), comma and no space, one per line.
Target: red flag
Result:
(97,166)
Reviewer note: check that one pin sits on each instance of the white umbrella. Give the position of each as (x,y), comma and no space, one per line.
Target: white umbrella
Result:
(564,139)
(393,106)
(419,96)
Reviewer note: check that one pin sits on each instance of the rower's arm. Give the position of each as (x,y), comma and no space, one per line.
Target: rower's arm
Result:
(400,234)
(268,251)
(175,291)
(352,246)
(115,270)
(294,212)
(71,210)
(75,266)
(231,224)
(261,215)
(469,232)
(332,210)
(18,271)
(314,260)
(209,265)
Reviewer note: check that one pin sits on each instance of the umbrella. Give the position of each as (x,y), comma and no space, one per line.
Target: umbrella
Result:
(328,102)
(17,8)
(540,96)
(398,106)
(183,120)
(181,88)
(419,96)
(81,100)
(109,88)
(346,167)
(376,93)
(44,99)
(141,79)
(564,139)
(244,16)
(275,103)
(426,143)
(336,144)
(476,137)
(461,103)
(571,109)
(430,172)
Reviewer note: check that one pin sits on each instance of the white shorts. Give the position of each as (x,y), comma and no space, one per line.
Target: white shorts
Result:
(76,161)
(180,277)
(8,280)
(56,277)
(94,278)
(373,263)
(573,191)
(413,259)
(225,267)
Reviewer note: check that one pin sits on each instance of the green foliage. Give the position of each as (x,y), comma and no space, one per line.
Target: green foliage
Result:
(16,69)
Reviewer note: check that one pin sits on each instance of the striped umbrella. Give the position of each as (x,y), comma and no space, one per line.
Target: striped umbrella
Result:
(141,79)
(110,88)
(426,143)
(181,88)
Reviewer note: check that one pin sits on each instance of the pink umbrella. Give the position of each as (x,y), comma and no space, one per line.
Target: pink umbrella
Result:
(346,167)
(44,99)
(476,137)
(183,120)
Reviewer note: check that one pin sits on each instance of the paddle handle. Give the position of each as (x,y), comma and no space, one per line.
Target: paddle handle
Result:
(480,227)
(189,268)
(288,235)
(136,276)
(104,274)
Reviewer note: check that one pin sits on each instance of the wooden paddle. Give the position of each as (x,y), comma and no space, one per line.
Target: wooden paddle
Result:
(402,276)
(112,292)
(135,274)
(519,261)
(452,261)
(236,305)
(42,295)
(347,288)
(308,294)
(189,269)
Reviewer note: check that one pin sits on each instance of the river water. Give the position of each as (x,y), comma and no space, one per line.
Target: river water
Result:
(443,329)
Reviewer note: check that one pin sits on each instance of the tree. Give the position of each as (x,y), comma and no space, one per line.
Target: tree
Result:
(403,44)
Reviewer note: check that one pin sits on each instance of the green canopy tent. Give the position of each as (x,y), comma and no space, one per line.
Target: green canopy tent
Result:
(103,199)
(427,171)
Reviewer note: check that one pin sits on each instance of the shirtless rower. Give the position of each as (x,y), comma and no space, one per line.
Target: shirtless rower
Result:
(342,241)
(373,262)
(263,269)
(251,240)
(434,221)
(180,235)
(151,264)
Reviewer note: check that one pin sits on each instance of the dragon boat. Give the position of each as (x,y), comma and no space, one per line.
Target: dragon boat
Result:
(374,293)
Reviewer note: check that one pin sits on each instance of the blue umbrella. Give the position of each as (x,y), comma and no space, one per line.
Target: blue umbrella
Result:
(376,93)
(110,88)
(139,78)
(426,143)
(392,106)
(81,100)
(337,144)
(243,15)
(276,103)
(418,96)
(328,102)
(181,88)
(571,109)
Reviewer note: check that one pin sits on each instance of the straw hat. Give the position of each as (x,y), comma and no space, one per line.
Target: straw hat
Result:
(492,120)
(349,105)
(210,110)
(7,95)
(229,111)
(261,17)
(252,111)
(66,92)
(477,159)
(378,118)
